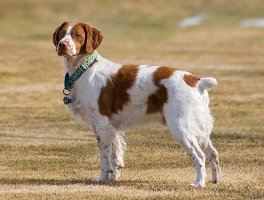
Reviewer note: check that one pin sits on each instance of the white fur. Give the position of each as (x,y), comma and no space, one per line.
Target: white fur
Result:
(67,39)
(206,83)
(186,113)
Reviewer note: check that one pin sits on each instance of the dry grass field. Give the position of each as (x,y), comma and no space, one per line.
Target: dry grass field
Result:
(44,154)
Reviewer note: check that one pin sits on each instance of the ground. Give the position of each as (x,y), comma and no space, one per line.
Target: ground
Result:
(44,154)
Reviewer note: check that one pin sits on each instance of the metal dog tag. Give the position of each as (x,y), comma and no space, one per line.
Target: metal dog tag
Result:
(66,100)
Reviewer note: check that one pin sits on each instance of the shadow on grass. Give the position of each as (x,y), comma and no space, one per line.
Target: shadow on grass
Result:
(138,184)
(150,185)
(5,181)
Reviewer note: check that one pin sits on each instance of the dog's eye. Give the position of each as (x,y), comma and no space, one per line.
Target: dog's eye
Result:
(61,34)
(76,35)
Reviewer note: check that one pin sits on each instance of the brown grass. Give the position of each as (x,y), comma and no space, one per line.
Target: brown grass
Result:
(44,154)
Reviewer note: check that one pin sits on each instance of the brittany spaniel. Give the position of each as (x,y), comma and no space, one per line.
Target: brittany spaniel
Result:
(113,97)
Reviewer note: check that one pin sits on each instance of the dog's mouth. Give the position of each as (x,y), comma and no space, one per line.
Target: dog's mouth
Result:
(62,52)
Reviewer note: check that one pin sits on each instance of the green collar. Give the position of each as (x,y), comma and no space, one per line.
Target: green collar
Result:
(69,80)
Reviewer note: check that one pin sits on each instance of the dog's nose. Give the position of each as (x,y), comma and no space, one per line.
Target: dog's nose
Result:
(62,45)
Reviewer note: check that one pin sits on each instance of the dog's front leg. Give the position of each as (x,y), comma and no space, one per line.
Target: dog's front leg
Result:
(117,155)
(104,135)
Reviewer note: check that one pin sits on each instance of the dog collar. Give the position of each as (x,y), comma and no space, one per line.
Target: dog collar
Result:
(70,80)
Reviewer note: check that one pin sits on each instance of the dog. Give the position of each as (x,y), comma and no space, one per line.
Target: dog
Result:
(113,97)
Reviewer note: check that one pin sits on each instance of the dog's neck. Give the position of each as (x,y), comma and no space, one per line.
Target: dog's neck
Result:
(71,63)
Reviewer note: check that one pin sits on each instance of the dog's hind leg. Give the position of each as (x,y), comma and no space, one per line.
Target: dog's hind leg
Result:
(212,155)
(179,129)
(117,155)
(190,144)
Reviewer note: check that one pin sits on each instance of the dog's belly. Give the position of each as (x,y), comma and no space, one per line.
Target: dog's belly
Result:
(132,116)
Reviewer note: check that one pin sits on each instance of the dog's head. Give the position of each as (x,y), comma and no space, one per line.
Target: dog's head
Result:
(72,39)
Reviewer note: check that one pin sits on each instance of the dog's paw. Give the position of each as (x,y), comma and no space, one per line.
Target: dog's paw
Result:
(99,181)
(114,176)
(215,180)
(198,184)
(217,176)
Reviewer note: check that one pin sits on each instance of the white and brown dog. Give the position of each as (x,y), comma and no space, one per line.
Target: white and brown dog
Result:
(113,97)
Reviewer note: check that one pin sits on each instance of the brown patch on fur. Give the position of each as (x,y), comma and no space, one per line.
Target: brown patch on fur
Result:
(78,35)
(60,32)
(92,40)
(160,97)
(191,80)
(114,95)
(162,73)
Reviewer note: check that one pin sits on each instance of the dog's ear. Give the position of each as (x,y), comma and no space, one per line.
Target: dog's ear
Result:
(93,38)
(56,33)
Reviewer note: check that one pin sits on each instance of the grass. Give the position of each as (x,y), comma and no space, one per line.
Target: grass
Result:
(44,154)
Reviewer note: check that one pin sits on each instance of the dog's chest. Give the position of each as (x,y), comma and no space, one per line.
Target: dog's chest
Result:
(84,103)
(80,112)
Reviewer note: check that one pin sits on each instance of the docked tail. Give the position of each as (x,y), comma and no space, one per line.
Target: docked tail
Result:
(206,83)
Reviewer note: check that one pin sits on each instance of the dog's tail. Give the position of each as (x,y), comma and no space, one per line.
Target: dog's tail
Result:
(206,83)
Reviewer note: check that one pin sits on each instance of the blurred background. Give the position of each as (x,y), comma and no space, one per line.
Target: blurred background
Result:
(142,20)
(144,28)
